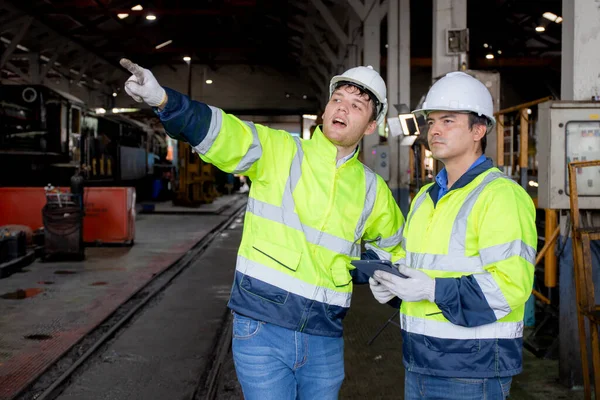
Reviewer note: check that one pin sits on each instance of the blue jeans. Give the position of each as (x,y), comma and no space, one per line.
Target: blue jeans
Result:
(276,363)
(429,387)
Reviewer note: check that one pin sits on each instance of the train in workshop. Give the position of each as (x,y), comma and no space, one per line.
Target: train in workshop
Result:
(46,136)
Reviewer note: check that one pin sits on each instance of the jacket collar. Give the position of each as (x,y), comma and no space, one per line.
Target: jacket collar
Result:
(464,180)
(325,150)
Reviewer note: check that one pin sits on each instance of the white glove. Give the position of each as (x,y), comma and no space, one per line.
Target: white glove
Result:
(143,86)
(418,286)
(380,292)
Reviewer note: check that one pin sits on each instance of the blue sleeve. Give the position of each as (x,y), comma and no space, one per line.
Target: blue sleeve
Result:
(358,277)
(462,302)
(184,119)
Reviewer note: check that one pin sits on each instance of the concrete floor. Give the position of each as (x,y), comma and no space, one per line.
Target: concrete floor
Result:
(166,351)
(65,300)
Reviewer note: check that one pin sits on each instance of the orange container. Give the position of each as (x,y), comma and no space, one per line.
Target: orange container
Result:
(109,211)
(109,215)
(22,206)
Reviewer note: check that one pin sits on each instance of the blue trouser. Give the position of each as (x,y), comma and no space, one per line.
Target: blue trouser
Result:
(276,363)
(429,387)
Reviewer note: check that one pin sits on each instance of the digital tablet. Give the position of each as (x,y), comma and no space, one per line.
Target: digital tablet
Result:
(370,266)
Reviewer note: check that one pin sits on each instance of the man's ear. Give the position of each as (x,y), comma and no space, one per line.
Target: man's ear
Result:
(479,131)
(371,128)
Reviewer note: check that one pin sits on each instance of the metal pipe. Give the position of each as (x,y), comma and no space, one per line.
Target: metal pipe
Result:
(500,142)
(411,161)
(547,245)
(524,146)
(540,296)
(551,233)
(512,153)
(523,105)
(189,79)
(422,161)
(417,150)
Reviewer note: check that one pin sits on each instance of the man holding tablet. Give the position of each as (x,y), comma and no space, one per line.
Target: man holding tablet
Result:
(470,241)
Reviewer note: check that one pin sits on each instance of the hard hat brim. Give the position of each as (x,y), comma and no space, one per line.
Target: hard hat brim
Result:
(423,111)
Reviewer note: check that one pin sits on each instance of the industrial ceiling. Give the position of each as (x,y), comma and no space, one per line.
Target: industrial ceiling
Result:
(83,40)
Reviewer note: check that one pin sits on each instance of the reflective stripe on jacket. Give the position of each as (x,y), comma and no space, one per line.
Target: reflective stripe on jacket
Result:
(479,242)
(305,217)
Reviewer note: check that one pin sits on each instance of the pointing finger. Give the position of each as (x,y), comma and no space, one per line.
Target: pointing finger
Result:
(133,68)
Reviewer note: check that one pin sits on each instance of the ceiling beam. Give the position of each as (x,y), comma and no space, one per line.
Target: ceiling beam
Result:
(48,66)
(13,68)
(330,21)
(359,8)
(12,21)
(76,44)
(383,9)
(495,63)
(322,43)
(16,40)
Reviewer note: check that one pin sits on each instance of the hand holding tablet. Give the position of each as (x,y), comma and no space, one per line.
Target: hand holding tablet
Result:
(370,266)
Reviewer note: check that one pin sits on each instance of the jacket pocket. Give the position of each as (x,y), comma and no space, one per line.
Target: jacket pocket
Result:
(264,291)
(274,255)
(340,274)
(452,345)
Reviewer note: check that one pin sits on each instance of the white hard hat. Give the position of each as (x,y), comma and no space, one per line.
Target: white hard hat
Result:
(459,91)
(369,80)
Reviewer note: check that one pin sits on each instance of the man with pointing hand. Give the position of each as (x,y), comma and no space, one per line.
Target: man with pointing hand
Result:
(310,205)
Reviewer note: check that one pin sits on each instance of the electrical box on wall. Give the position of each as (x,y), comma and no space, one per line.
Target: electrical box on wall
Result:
(457,41)
(382,161)
(569,131)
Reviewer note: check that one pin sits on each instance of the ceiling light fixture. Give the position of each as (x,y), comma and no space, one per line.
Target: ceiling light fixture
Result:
(114,94)
(485,45)
(150,17)
(122,15)
(137,8)
(499,51)
(550,16)
(160,46)
(209,81)
(489,56)
(540,29)
(559,20)
(187,59)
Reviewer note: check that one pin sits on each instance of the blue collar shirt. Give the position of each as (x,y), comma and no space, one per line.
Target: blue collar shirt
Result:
(441,178)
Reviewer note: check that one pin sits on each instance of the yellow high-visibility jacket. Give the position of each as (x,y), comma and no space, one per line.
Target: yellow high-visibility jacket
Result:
(479,243)
(305,219)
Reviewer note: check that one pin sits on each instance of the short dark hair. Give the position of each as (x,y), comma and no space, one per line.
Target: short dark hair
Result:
(363,92)
(475,119)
